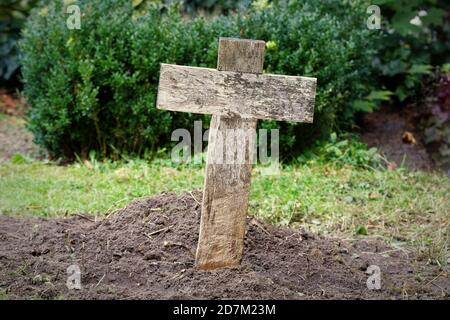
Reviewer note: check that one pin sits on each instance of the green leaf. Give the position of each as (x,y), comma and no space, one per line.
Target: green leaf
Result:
(381,95)
(446,68)
(364,106)
(361,230)
(333,137)
(401,93)
(434,17)
(401,22)
(136,3)
(420,69)
(18,159)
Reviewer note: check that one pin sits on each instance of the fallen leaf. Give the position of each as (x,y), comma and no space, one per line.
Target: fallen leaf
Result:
(408,137)
(374,196)
(391,166)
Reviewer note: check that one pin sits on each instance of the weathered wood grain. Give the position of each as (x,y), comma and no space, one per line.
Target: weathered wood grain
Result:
(225,197)
(236,94)
(241,55)
(227,185)
(232,94)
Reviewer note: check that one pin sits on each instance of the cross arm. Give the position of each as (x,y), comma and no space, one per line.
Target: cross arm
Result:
(228,93)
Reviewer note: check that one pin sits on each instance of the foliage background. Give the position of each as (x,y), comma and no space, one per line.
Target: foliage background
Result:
(13,14)
(95,88)
(415,42)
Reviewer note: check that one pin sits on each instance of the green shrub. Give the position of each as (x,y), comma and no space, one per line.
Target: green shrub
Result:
(195,7)
(345,150)
(13,14)
(410,51)
(95,88)
(323,39)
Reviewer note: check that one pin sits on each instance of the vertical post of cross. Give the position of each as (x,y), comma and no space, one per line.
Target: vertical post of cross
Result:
(236,94)
(227,185)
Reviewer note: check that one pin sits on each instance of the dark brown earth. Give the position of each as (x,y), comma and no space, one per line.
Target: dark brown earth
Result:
(385,129)
(146,251)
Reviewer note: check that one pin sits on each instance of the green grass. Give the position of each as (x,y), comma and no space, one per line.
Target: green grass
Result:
(340,200)
(46,189)
(3,294)
(401,206)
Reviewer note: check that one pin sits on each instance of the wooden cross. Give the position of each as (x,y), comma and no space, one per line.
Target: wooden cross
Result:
(236,94)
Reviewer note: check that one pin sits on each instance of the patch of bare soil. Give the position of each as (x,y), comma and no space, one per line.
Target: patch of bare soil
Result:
(396,134)
(12,103)
(15,138)
(146,251)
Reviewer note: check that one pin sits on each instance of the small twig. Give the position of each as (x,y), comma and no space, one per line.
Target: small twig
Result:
(432,280)
(322,291)
(255,222)
(177,276)
(442,289)
(177,244)
(299,234)
(114,204)
(98,283)
(110,213)
(14,236)
(198,202)
(148,236)
(84,217)
(159,231)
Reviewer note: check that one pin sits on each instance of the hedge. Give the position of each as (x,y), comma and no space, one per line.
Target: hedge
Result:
(95,88)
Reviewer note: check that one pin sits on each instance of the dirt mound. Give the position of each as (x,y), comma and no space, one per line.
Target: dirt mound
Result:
(146,251)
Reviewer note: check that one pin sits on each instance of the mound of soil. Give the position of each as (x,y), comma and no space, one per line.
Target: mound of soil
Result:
(146,251)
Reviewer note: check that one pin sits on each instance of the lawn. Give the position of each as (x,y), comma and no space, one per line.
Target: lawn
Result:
(408,209)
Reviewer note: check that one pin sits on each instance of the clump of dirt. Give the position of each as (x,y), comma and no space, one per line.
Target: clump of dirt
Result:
(146,251)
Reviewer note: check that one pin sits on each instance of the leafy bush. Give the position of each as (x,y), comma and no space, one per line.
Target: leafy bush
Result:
(12,17)
(13,14)
(415,40)
(195,7)
(345,150)
(95,88)
(327,40)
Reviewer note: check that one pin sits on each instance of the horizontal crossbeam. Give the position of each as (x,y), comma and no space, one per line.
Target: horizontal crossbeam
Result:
(228,93)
